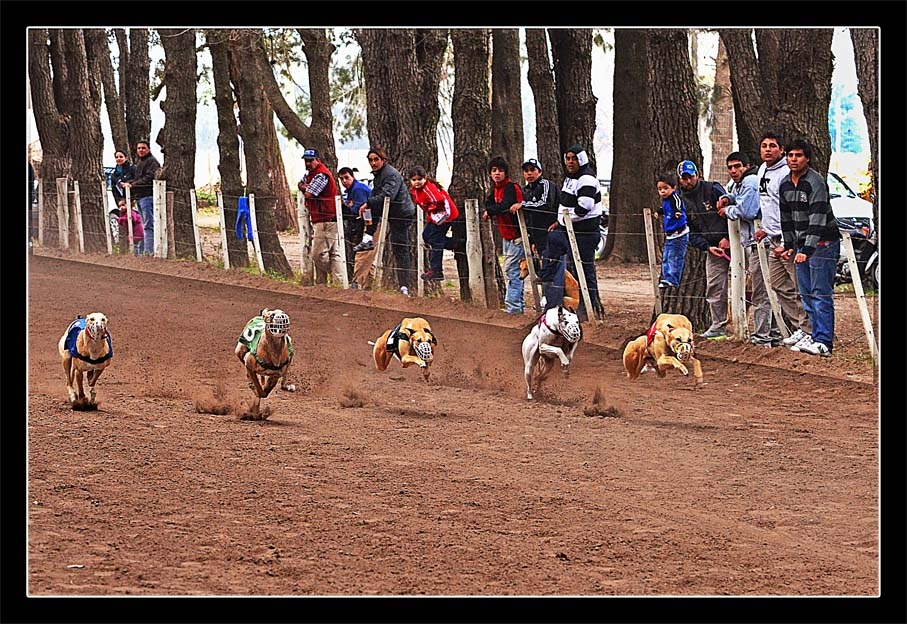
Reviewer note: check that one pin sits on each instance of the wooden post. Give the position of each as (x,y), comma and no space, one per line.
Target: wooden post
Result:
(527,250)
(170,248)
(198,241)
(653,264)
(861,298)
(341,240)
(306,269)
(490,266)
(474,252)
(107,223)
(63,212)
(129,246)
(255,242)
(80,231)
(380,244)
(160,205)
(223,230)
(40,213)
(738,282)
(772,295)
(580,273)
(420,254)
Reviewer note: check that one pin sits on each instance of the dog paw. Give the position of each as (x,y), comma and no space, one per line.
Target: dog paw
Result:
(290,388)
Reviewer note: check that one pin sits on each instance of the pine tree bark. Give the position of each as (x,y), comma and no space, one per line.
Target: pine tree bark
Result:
(177,136)
(471,118)
(541,80)
(866,58)
(113,102)
(751,114)
(506,99)
(571,50)
(632,149)
(138,90)
(227,141)
(673,123)
(722,104)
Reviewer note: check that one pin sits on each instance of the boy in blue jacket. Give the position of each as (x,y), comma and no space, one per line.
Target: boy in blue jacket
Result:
(677,232)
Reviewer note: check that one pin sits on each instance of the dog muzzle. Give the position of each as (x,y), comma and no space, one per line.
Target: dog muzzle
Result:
(279,324)
(683,351)
(571,331)
(96,331)
(423,350)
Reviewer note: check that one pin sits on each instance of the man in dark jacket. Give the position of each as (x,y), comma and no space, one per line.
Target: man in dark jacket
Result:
(142,190)
(539,205)
(708,232)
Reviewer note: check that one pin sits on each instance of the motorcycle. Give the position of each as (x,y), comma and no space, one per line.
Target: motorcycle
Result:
(867,254)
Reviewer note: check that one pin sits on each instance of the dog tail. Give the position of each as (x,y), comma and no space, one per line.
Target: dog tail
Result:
(371,343)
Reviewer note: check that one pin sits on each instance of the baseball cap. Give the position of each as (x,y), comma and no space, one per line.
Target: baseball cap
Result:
(533,162)
(309,154)
(687,167)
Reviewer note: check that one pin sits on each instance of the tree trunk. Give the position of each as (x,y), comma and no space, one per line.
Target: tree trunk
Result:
(506,99)
(750,106)
(471,118)
(138,90)
(53,127)
(257,131)
(177,136)
(571,50)
(630,191)
(112,100)
(866,57)
(722,104)
(541,80)
(85,144)
(673,121)
(227,142)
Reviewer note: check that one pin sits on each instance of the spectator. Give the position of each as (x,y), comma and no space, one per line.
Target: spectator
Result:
(142,190)
(138,233)
(320,199)
(742,203)
(708,233)
(504,194)
(123,172)
(540,201)
(677,232)
(580,201)
(781,273)
(354,194)
(811,236)
(440,212)
(388,182)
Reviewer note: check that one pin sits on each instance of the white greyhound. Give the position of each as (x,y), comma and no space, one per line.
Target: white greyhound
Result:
(555,336)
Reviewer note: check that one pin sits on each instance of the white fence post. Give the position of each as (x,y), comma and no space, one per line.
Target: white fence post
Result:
(198,241)
(530,265)
(650,247)
(63,212)
(223,230)
(861,298)
(738,282)
(772,295)
(380,245)
(160,203)
(306,270)
(474,252)
(106,214)
(580,272)
(40,213)
(80,231)
(341,240)
(255,243)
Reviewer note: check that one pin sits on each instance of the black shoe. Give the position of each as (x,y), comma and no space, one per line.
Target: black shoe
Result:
(431,275)
(364,246)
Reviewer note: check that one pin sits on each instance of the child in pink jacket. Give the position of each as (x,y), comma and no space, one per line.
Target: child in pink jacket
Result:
(138,232)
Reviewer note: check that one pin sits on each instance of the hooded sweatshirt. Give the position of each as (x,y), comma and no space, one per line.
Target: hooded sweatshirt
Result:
(581,198)
(769,182)
(744,204)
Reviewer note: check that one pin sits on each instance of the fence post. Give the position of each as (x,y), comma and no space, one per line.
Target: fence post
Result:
(223,230)
(474,252)
(170,249)
(420,254)
(861,298)
(530,265)
(63,212)
(255,242)
(738,282)
(40,213)
(580,272)
(106,218)
(650,247)
(772,295)
(341,240)
(80,231)
(379,247)
(160,236)
(306,268)
(198,242)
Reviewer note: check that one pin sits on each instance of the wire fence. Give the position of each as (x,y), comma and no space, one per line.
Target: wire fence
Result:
(229,235)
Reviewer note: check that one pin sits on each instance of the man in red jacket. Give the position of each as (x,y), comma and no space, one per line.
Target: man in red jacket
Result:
(320,193)
(504,194)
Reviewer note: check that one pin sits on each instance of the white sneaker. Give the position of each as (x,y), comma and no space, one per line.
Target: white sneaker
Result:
(405,291)
(806,341)
(815,348)
(794,338)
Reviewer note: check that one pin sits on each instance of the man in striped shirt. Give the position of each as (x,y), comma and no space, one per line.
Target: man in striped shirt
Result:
(810,234)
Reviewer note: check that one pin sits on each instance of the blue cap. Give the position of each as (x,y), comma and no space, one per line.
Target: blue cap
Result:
(309,154)
(687,167)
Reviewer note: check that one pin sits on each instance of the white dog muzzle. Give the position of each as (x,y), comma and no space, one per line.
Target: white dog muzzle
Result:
(571,331)
(423,350)
(279,324)
(96,331)
(683,351)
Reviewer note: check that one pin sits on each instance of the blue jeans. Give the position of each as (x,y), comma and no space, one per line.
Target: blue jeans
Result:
(513,300)
(816,282)
(558,246)
(435,236)
(672,259)
(146,211)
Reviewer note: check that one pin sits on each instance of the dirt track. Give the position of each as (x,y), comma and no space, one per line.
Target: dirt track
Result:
(745,486)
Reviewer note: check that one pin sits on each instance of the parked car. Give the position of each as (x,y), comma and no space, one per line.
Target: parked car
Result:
(848,206)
